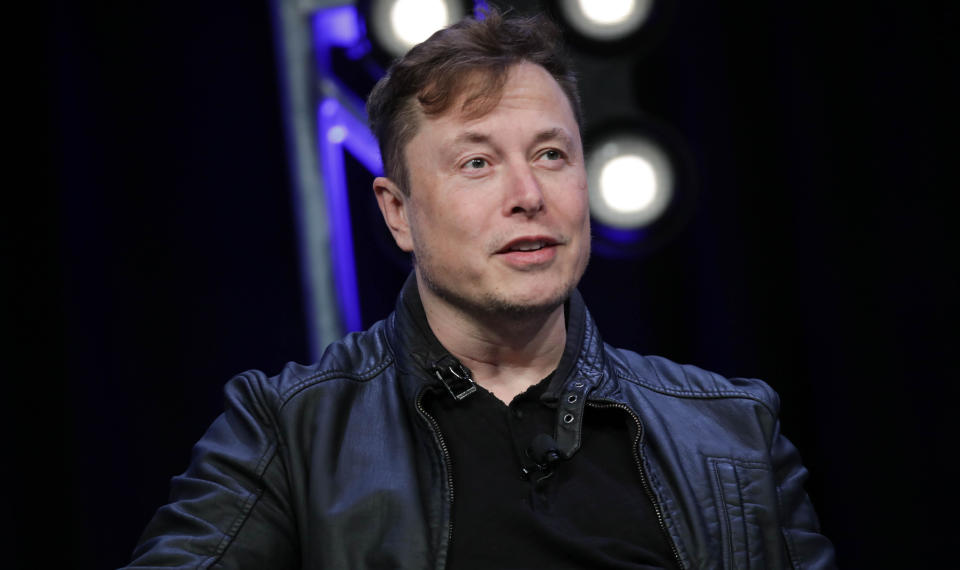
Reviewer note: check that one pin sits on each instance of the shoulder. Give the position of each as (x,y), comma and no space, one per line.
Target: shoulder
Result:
(356,359)
(663,376)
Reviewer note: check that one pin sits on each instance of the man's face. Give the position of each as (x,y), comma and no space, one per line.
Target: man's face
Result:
(497,215)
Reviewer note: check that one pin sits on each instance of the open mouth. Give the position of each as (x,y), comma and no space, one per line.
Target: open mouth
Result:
(528,245)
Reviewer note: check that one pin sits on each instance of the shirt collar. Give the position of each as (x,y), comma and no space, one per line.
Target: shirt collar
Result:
(423,347)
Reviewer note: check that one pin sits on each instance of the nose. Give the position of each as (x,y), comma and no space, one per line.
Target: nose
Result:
(524,193)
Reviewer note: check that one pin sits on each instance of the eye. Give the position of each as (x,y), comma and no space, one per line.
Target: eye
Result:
(552,158)
(475,163)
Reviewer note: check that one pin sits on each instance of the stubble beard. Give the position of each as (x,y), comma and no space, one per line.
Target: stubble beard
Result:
(497,306)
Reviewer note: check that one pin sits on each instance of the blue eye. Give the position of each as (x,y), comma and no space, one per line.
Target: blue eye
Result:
(552,154)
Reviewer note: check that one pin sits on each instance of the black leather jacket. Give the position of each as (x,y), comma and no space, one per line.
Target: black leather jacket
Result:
(338,465)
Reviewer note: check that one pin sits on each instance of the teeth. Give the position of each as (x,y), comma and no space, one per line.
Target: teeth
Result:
(533,246)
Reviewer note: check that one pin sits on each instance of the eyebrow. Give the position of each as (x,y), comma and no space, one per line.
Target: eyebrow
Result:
(471,137)
(553,134)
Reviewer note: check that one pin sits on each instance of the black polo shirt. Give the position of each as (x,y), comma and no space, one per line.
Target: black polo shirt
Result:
(511,510)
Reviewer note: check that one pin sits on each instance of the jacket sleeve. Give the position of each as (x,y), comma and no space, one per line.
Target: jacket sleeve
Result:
(806,547)
(231,507)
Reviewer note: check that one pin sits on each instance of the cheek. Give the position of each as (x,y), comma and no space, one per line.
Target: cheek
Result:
(440,230)
(461,216)
(577,206)
(578,194)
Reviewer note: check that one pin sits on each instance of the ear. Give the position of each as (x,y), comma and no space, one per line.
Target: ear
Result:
(393,206)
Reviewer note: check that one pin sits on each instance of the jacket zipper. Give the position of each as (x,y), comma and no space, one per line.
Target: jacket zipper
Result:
(446,460)
(645,483)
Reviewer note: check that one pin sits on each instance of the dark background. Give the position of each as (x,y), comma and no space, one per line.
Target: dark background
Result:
(152,255)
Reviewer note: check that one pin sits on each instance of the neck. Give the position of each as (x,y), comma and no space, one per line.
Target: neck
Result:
(507,353)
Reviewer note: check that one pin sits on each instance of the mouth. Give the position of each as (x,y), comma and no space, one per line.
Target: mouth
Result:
(528,244)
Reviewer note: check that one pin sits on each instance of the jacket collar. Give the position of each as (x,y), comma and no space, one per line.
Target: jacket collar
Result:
(421,356)
(419,352)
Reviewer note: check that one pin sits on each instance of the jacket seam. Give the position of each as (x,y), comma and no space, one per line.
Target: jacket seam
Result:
(249,502)
(660,493)
(795,560)
(327,375)
(723,515)
(744,522)
(692,394)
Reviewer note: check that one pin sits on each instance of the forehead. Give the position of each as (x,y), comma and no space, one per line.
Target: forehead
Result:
(526,87)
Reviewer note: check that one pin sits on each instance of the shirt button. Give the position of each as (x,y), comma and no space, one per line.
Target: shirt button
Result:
(518,413)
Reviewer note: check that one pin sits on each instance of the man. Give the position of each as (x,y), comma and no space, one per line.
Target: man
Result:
(484,424)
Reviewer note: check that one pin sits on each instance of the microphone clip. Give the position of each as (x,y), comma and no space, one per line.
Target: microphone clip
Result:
(545,453)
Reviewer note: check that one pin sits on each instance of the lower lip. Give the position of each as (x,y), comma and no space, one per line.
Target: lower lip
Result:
(529,258)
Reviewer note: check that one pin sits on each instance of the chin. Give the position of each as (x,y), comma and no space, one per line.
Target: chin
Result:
(506,295)
(524,303)
(510,302)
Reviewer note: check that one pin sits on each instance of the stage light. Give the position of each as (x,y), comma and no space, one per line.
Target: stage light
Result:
(400,24)
(609,12)
(607,20)
(631,182)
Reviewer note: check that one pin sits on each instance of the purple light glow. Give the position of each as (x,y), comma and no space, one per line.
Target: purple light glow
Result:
(341,132)
(618,235)
(339,26)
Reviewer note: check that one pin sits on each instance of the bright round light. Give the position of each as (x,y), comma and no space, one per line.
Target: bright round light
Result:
(606,20)
(628,183)
(608,11)
(631,181)
(401,24)
(414,20)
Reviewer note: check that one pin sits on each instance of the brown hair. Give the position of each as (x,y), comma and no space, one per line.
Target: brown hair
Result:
(471,57)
